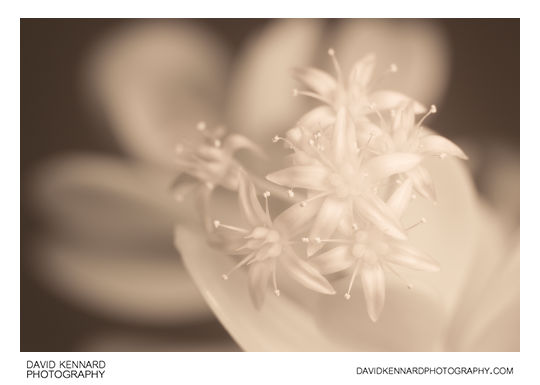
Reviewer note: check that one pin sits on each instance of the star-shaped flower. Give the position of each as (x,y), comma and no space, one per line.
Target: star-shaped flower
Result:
(266,243)
(406,135)
(371,251)
(209,164)
(341,179)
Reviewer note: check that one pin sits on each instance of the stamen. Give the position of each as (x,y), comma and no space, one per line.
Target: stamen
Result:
(201,126)
(237,266)
(393,68)
(290,192)
(432,110)
(276,290)
(305,202)
(356,266)
(337,67)
(266,195)
(310,94)
(422,220)
(218,224)
(277,138)
(443,155)
(373,107)
(355,226)
(305,240)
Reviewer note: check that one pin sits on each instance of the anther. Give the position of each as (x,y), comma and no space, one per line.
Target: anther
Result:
(317,240)
(355,226)
(305,240)
(303,204)
(217,143)
(422,220)
(347,296)
(266,194)
(201,126)
(295,92)
(443,155)
(225,277)
(277,293)
(331,52)
(433,109)
(393,68)
(217,223)
(275,139)
(290,193)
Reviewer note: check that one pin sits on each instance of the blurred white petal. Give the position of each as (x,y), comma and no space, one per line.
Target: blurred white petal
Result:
(156,80)
(437,145)
(326,222)
(261,101)
(137,287)
(400,198)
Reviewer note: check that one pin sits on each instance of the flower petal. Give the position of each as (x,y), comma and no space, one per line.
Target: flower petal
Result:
(258,277)
(319,81)
(386,100)
(400,198)
(384,166)
(337,259)
(423,183)
(308,177)
(317,118)
(377,212)
(437,145)
(404,254)
(341,136)
(235,142)
(305,273)
(296,218)
(326,222)
(260,102)
(374,288)
(249,204)
(151,91)
(362,71)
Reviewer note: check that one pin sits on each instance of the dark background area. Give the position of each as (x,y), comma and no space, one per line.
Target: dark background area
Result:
(482,101)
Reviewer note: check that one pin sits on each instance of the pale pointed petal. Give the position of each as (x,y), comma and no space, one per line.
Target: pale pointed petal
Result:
(259,274)
(326,222)
(386,100)
(295,219)
(235,142)
(317,118)
(304,273)
(437,145)
(337,259)
(362,71)
(377,212)
(249,204)
(400,198)
(203,195)
(374,289)
(340,140)
(319,81)
(308,177)
(411,257)
(423,183)
(384,166)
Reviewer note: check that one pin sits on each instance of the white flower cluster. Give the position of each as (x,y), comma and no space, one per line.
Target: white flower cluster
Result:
(356,162)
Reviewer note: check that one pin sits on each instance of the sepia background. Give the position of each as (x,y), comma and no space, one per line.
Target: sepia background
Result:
(61,114)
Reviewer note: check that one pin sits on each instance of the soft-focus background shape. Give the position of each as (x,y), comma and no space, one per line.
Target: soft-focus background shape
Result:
(103,102)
